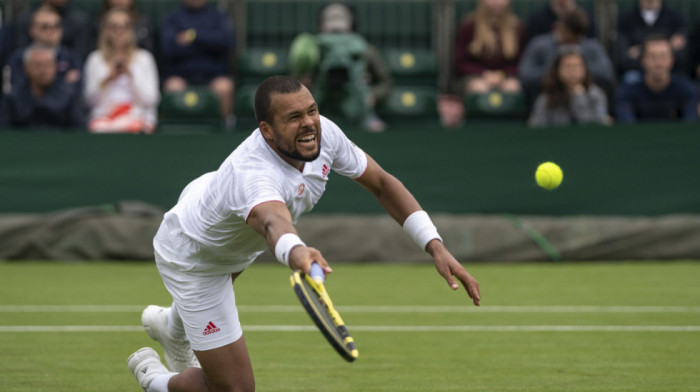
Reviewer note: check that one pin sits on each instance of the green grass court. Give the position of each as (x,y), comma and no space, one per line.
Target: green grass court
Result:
(631,326)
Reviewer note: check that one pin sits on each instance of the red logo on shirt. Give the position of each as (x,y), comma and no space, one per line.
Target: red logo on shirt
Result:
(301,188)
(325,171)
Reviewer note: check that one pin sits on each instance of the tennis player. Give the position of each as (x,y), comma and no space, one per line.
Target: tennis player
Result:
(224,219)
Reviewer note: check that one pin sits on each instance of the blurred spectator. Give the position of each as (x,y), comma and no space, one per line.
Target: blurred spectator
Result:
(649,17)
(569,95)
(338,18)
(6,43)
(41,100)
(196,42)
(540,53)
(78,30)
(45,29)
(489,43)
(660,95)
(543,21)
(142,25)
(341,68)
(121,80)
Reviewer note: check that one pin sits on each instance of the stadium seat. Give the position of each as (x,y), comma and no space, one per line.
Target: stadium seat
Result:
(411,66)
(410,103)
(495,105)
(194,110)
(255,64)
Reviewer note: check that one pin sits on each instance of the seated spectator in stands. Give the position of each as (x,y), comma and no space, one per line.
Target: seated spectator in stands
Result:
(489,43)
(197,41)
(78,30)
(338,18)
(541,51)
(660,95)
(45,29)
(649,17)
(6,43)
(121,80)
(41,100)
(569,96)
(544,20)
(346,74)
(142,25)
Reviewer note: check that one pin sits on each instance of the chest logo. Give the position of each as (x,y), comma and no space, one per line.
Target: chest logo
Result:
(300,189)
(325,171)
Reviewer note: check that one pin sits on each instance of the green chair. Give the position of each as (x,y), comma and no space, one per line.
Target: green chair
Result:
(410,103)
(495,105)
(256,64)
(412,66)
(191,111)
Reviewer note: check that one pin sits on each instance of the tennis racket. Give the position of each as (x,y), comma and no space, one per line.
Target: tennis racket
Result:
(313,296)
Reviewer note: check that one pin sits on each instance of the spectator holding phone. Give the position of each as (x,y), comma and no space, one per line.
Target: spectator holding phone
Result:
(121,80)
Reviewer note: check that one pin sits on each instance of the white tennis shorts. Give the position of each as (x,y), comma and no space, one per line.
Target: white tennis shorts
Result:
(206,304)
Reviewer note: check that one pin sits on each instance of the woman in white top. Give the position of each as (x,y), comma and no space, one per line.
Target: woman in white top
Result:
(121,80)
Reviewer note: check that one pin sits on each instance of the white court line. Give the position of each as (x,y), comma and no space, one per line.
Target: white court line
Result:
(369,309)
(380,328)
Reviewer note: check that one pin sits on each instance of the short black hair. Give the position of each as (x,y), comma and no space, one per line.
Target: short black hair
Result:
(278,84)
(576,21)
(655,37)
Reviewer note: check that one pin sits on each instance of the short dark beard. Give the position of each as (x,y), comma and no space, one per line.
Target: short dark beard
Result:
(297,156)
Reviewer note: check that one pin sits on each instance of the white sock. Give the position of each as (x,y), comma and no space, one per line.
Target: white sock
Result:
(175,327)
(160,382)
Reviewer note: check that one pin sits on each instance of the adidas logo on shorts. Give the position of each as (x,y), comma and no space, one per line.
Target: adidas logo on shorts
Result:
(211,328)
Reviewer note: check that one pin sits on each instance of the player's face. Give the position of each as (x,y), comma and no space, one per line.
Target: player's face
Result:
(295,133)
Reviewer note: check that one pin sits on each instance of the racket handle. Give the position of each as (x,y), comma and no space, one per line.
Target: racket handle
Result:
(316,273)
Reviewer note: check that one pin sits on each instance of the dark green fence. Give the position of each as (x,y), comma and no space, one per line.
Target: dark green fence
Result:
(639,170)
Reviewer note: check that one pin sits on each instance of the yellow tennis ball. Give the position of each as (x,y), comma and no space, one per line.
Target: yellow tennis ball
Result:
(549,175)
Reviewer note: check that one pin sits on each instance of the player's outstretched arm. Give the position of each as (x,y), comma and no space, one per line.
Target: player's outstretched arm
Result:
(273,221)
(450,268)
(404,208)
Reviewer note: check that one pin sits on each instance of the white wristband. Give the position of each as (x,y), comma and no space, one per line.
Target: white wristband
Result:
(284,247)
(419,226)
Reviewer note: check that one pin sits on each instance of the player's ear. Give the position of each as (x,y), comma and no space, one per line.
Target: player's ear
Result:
(266,130)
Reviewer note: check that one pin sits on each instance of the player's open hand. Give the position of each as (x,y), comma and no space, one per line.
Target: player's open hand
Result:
(302,257)
(450,269)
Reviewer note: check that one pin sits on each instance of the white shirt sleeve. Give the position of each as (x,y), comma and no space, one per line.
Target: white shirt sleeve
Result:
(349,160)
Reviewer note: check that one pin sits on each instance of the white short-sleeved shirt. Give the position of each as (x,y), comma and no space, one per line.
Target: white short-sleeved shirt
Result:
(206,232)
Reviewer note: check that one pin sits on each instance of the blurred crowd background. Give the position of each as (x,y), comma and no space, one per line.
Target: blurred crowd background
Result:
(145,66)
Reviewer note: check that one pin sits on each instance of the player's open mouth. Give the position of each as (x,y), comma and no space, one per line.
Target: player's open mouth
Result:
(307,139)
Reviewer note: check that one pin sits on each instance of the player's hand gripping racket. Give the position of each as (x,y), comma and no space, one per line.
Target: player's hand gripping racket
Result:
(313,296)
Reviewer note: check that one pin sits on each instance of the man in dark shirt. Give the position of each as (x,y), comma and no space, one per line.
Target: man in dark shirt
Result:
(648,17)
(41,100)
(197,41)
(660,95)
(78,29)
(46,30)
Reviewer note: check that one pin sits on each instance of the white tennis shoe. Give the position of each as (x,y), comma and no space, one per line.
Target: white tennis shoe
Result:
(178,352)
(145,364)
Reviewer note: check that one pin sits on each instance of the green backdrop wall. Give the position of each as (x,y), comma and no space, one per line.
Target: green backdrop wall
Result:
(636,170)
